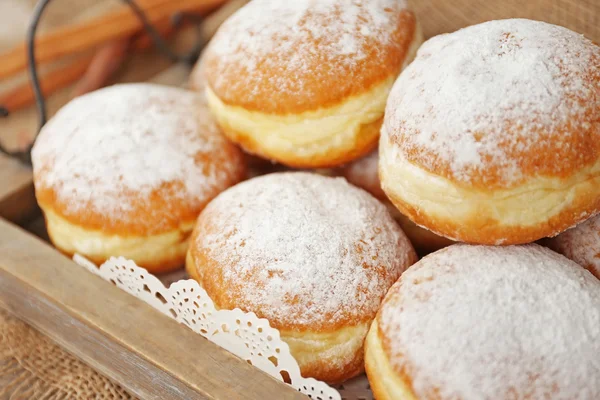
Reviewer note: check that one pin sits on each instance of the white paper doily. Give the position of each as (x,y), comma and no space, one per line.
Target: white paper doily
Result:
(243,334)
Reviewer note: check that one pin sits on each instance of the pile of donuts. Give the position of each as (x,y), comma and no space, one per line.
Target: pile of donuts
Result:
(488,136)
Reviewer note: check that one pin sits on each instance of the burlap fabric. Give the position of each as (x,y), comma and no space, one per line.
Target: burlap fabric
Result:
(31,367)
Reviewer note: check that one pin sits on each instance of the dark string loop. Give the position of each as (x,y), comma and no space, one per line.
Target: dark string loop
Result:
(25,155)
(162,46)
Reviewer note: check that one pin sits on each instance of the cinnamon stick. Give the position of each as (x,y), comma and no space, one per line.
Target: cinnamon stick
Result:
(82,36)
(104,65)
(143,41)
(94,68)
(22,95)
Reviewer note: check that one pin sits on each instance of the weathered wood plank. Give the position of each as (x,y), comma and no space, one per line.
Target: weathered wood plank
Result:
(151,355)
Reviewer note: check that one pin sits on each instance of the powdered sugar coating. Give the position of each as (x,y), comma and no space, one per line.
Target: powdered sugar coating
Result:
(497,323)
(302,250)
(581,244)
(111,150)
(364,173)
(289,52)
(495,103)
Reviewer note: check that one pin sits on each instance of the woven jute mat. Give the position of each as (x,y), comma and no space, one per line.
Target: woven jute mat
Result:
(32,367)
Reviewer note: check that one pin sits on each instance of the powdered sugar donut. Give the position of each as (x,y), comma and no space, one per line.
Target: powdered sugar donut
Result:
(477,322)
(305,82)
(581,244)
(125,171)
(364,174)
(312,254)
(492,134)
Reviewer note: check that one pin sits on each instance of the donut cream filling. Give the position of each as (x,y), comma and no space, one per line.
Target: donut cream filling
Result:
(529,204)
(92,243)
(338,347)
(380,369)
(284,132)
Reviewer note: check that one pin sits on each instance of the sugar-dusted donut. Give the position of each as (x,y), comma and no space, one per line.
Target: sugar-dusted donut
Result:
(481,322)
(305,82)
(125,171)
(581,244)
(312,254)
(492,134)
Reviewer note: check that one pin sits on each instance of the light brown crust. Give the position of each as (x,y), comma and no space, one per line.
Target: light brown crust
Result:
(478,230)
(363,143)
(320,82)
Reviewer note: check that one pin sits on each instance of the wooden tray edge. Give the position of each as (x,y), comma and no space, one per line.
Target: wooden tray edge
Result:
(146,352)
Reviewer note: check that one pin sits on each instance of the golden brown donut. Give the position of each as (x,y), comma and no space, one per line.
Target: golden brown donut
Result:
(482,322)
(492,134)
(314,255)
(305,82)
(581,244)
(364,174)
(125,171)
